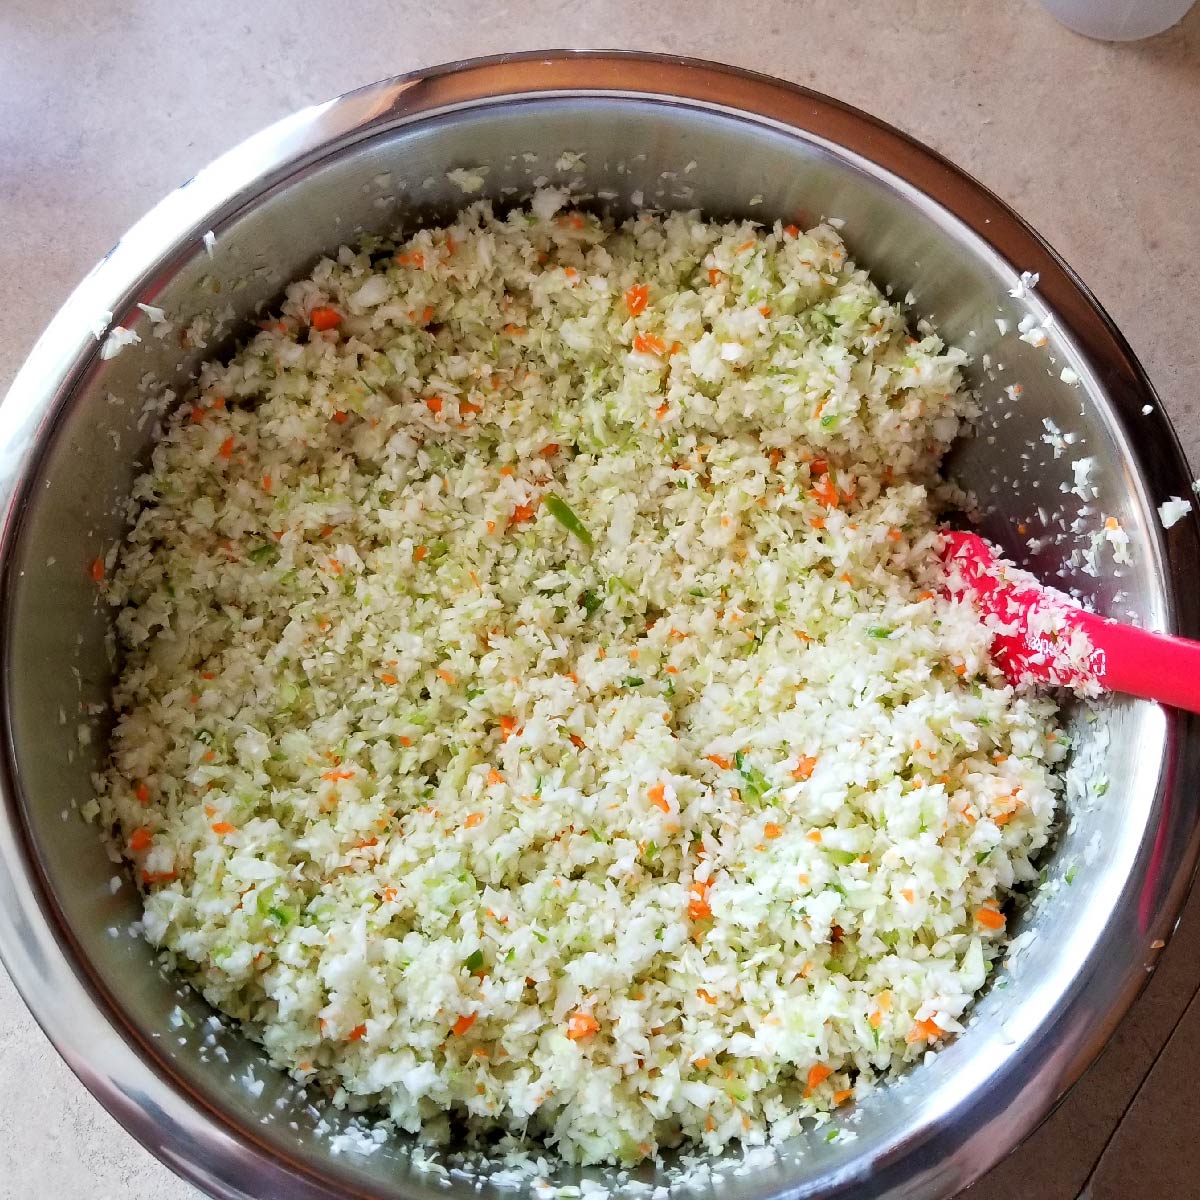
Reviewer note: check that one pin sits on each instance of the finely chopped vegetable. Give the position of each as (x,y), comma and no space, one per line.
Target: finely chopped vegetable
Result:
(539,703)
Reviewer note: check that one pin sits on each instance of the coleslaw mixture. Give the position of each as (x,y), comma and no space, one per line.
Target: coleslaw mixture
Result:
(540,708)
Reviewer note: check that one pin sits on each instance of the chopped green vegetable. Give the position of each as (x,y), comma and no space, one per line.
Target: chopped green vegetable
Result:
(757,787)
(473,961)
(562,512)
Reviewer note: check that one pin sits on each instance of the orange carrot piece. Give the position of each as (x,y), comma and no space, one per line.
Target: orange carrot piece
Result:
(804,768)
(989,918)
(581,1025)
(927,1030)
(324,318)
(817,1076)
(637,298)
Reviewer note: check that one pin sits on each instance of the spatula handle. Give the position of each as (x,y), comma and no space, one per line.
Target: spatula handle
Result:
(1154,666)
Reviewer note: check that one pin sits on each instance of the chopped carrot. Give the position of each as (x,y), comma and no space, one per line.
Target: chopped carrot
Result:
(804,768)
(960,668)
(706,996)
(419,553)
(817,1076)
(662,411)
(647,343)
(142,794)
(334,776)
(928,1030)
(813,835)
(841,1096)
(523,512)
(987,917)
(657,796)
(475,818)
(266,483)
(637,298)
(341,417)
(698,906)
(434,404)
(507,726)
(389,894)
(894,535)
(581,1025)
(223,827)
(388,678)
(96,570)
(140,840)
(714,276)
(324,318)
(791,231)
(357,1033)
(226,450)
(909,895)
(875,1019)
(825,492)
(494,777)
(720,760)
(152,877)
(772,831)
(445,676)
(463,1024)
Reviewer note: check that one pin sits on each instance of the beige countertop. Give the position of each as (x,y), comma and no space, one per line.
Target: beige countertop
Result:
(104,107)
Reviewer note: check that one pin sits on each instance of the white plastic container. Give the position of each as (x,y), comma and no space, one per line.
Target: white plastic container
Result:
(1118,20)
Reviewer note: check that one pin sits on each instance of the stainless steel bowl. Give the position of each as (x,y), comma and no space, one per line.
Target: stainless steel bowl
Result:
(73,433)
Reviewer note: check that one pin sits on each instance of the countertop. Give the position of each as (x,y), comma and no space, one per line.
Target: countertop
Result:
(104,107)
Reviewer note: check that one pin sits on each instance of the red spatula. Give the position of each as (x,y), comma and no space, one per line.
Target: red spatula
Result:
(1038,634)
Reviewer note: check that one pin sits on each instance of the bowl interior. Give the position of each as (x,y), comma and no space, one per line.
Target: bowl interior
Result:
(635,151)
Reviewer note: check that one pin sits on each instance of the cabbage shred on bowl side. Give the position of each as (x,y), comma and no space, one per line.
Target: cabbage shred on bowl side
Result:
(539,699)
